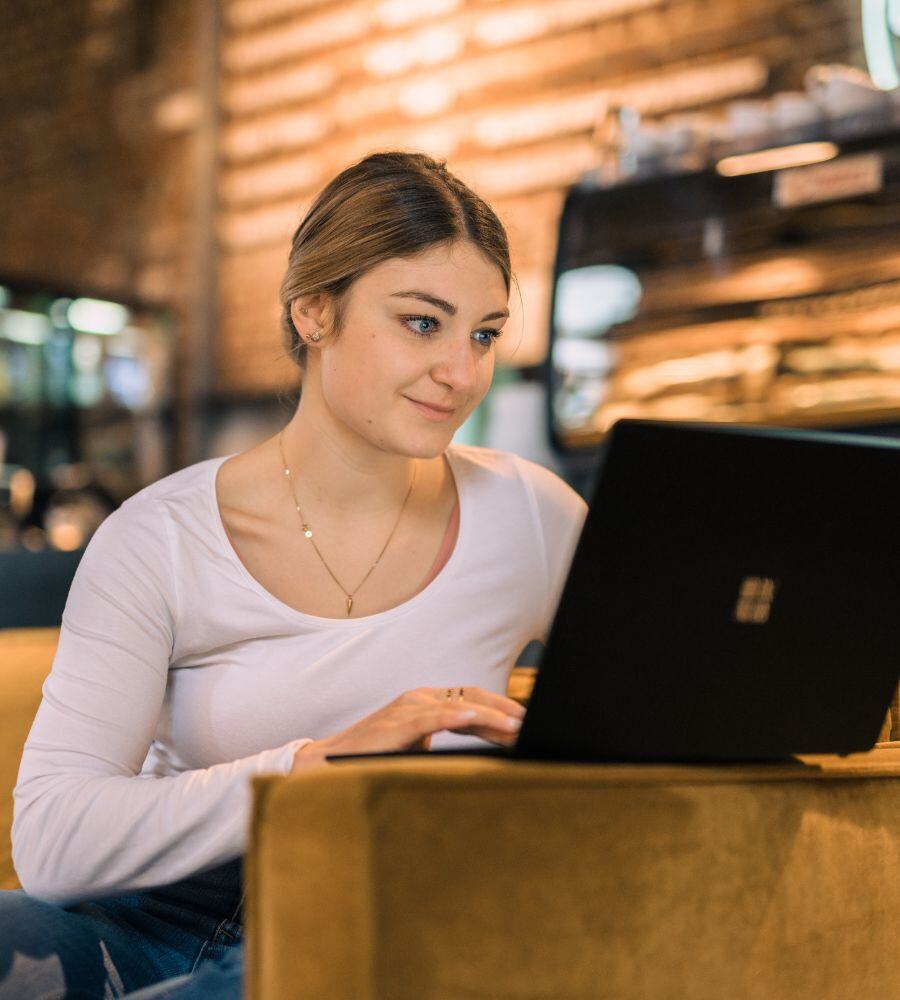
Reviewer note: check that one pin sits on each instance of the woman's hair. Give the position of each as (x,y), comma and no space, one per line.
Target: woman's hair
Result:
(390,204)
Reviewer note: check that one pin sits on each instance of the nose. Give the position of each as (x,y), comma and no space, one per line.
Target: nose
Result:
(455,366)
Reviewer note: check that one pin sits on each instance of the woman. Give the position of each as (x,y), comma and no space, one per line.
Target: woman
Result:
(355,583)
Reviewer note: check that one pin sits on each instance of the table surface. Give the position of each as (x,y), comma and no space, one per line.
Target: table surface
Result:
(881,762)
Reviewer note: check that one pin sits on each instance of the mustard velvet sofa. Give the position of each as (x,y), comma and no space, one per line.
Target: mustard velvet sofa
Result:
(464,878)
(26,656)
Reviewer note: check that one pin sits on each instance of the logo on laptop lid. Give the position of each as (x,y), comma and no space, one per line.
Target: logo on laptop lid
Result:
(754,603)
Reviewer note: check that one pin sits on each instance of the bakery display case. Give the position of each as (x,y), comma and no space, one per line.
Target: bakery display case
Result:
(755,281)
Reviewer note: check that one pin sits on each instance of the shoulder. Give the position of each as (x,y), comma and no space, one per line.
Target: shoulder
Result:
(192,480)
(489,462)
(185,495)
(141,522)
(551,496)
(128,571)
(551,491)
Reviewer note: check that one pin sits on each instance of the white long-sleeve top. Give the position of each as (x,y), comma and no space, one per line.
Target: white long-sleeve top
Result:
(178,676)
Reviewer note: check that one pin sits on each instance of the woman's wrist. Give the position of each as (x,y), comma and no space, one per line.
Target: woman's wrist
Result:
(310,755)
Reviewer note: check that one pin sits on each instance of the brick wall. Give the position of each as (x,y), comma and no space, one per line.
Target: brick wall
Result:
(98,153)
(506,90)
(106,160)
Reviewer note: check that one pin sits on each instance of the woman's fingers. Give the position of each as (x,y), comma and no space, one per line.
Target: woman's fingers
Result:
(415,716)
(498,718)
(481,696)
(434,720)
(477,720)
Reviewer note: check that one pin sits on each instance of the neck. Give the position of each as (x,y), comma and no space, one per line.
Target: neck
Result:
(333,469)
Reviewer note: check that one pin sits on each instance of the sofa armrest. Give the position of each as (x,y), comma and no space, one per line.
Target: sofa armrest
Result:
(472,877)
(26,656)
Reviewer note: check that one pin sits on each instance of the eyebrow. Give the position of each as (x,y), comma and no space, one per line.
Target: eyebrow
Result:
(448,307)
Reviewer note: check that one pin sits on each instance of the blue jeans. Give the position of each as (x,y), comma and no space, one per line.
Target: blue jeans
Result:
(181,941)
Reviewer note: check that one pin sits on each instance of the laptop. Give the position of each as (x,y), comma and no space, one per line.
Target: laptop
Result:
(734,596)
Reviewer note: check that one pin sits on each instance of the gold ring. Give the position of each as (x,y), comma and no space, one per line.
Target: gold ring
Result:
(461,694)
(449,694)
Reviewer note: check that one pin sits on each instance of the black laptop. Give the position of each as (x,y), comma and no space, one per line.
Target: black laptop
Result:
(734,596)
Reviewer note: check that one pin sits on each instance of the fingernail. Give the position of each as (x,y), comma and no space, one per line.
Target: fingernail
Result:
(513,723)
(468,714)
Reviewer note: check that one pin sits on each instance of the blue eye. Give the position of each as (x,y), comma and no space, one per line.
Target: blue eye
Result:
(421,319)
(492,334)
(415,323)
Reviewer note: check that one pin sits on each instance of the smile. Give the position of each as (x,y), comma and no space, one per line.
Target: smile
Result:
(431,412)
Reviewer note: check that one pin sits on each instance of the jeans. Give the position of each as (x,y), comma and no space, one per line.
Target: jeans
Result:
(181,941)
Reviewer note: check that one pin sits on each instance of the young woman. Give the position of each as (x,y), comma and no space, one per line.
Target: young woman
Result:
(355,583)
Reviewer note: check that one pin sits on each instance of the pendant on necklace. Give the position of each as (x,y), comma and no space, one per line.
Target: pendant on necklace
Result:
(307,531)
(349,605)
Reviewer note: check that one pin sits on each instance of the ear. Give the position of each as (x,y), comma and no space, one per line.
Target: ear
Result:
(307,315)
(300,318)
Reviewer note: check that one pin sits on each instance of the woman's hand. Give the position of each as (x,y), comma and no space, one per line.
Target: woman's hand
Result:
(409,722)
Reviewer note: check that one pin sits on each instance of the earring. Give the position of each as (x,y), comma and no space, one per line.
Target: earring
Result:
(316,335)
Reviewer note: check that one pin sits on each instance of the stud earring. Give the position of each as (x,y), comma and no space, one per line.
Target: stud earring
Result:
(316,335)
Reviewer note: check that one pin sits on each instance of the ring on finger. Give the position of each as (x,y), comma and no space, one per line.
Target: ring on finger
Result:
(450,694)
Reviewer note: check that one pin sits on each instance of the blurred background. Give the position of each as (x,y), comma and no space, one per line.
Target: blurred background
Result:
(702,198)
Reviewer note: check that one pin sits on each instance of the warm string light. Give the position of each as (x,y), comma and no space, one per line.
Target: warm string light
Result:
(778,158)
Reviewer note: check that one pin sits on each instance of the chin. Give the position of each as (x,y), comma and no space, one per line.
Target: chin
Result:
(428,449)
(424,445)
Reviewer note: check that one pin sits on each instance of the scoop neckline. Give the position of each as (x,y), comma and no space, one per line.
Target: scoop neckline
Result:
(426,593)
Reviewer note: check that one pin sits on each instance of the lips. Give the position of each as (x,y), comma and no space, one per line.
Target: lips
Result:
(431,412)
(432,406)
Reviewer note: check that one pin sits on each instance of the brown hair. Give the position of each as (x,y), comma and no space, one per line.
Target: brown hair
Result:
(390,204)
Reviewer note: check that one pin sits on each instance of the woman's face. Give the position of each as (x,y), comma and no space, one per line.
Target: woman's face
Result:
(415,330)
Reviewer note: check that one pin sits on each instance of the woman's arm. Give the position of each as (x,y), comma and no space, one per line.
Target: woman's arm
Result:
(85,823)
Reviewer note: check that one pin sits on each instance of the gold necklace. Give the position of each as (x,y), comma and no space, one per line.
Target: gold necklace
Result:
(307,530)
